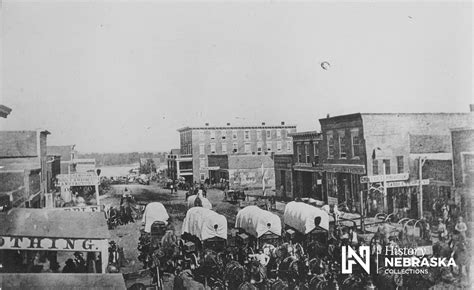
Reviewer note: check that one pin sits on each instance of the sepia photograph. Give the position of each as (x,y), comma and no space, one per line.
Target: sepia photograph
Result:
(236,145)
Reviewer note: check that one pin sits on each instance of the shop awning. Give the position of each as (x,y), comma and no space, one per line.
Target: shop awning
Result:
(61,281)
(29,222)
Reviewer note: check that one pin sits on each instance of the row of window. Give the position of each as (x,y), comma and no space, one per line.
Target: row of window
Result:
(247,147)
(354,148)
(304,150)
(386,164)
(247,134)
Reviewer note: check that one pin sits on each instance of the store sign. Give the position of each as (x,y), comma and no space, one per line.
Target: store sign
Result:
(407,183)
(92,208)
(380,178)
(78,179)
(51,244)
(212,168)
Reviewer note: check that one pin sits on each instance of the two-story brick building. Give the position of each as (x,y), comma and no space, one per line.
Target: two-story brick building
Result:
(384,148)
(197,143)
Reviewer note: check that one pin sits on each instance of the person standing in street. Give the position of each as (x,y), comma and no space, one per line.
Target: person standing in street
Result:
(461,228)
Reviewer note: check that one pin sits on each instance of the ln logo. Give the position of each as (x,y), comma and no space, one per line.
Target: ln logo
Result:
(350,257)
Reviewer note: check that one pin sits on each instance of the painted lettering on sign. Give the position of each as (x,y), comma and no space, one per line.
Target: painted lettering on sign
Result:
(92,208)
(380,178)
(78,179)
(51,244)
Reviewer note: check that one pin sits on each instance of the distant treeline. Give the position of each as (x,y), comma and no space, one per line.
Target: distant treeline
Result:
(105,159)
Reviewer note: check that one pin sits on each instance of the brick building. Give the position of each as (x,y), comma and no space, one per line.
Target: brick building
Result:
(197,143)
(67,154)
(390,145)
(307,169)
(23,167)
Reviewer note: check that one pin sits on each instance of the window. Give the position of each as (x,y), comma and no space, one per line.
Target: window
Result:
(269,145)
(289,144)
(298,152)
(202,163)
(235,148)
(259,134)
(269,134)
(308,158)
(203,176)
(283,133)
(316,152)
(400,165)
(259,147)
(213,135)
(330,144)
(386,163)
(355,140)
(234,135)
(213,147)
(247,135)
(342,145)
(375,167)
(201,135)
(223,134)
(247,148)
(224,148)
(278,133)
(278,146)
(201,149)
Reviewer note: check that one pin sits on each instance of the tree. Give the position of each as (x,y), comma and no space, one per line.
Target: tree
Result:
(148,167)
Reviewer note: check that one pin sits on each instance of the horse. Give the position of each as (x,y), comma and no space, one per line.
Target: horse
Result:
(234,275)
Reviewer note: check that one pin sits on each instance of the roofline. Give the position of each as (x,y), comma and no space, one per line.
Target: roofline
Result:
(461,129)
(237,127)
(353,115)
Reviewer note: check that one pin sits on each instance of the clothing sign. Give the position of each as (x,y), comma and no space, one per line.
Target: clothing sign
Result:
(52,244)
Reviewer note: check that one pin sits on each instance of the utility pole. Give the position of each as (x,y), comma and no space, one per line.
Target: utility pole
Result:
(385,205)
(421,162)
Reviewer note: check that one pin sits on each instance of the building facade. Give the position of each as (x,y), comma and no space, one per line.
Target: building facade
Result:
(463,167)
(23,167)
(383,148)
(200,142)
(242,170)
(283,164)
(307,167)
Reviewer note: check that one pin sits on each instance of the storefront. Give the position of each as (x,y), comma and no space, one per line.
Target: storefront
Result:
(78,189)
(343,184)
(28,235)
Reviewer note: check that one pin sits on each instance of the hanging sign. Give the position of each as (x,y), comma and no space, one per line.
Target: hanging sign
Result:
(388,177)
(407,183)
(51,244)
(78,179)
(90,208)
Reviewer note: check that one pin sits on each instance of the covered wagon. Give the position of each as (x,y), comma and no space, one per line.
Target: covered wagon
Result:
(263,226)
(204,226)
(199,201)
(306,224)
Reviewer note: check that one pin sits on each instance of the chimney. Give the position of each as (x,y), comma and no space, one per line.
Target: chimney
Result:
(263,123)
(328,116)
(471,106)
(228,124)
(207,124)
(282,123)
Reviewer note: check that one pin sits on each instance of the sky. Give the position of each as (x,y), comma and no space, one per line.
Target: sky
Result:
(123,76)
